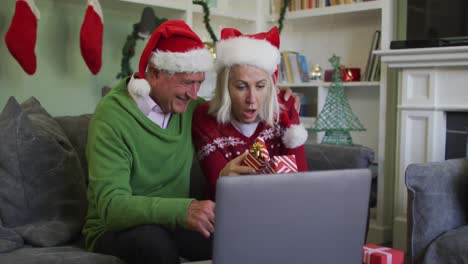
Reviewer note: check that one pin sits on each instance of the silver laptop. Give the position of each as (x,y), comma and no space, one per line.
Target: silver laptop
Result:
(312,217)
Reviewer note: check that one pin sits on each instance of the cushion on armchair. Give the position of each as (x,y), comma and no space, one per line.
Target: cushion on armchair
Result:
(42,192)
(449,248)
(9,239)
(437,203)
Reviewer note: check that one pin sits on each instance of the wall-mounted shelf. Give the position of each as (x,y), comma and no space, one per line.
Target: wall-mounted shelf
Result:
(174,4)
(363,7)
(327,84)
(249,17)
(425,57)
(307,121)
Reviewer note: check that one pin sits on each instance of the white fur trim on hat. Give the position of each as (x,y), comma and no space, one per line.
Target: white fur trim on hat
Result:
(245,50)
(197,60)
(138,87)
(295,136)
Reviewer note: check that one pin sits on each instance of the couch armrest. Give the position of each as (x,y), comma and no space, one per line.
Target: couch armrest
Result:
(437,202)
(335,157)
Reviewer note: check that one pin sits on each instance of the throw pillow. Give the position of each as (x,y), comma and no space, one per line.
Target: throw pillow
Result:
(76,129)
(42,191)
(9,239)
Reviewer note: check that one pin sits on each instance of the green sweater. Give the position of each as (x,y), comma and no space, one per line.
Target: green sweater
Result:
(139,173)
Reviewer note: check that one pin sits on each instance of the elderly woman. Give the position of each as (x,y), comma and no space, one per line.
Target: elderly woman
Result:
(245,107)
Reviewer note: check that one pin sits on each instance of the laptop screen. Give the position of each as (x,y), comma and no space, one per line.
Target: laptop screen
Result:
(311,217)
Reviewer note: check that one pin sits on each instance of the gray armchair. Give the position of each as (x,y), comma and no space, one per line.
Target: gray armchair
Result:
(438,212)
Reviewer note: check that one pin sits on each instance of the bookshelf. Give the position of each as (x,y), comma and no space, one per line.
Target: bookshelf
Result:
(345,30)
(327,84)
(224,12)
(174,4)
(345,9)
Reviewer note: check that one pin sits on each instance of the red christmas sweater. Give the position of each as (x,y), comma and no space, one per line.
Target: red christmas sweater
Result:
(217,144)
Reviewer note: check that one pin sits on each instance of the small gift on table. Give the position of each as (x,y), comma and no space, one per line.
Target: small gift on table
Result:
(258,156)
(259,159)
(374,254)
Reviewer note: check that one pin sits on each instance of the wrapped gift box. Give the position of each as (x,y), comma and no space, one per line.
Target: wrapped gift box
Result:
(282,164)
(347,75)
(374,254)
(258,157)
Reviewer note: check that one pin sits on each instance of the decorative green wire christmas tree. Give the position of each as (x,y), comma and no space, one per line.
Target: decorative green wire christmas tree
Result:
(336,117)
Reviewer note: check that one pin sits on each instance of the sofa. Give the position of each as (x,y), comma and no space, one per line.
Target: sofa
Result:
(437,214)
(43,177)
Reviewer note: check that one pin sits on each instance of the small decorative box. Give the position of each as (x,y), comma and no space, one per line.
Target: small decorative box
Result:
(282,164)
(347,75)
(258,157)
(374,254)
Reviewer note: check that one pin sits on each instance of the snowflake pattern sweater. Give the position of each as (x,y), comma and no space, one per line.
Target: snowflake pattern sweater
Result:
(217,144)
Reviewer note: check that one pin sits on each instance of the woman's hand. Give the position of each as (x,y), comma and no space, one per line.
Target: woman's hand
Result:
(234,167)
(288,92)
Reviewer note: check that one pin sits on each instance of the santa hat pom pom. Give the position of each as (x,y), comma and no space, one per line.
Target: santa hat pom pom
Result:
(295,136)
(139,87)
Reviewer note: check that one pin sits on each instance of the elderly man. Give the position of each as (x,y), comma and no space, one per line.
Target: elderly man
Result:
(140,154)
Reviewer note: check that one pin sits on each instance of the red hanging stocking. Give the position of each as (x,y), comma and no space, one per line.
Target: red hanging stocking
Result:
(91,35)
(22,34)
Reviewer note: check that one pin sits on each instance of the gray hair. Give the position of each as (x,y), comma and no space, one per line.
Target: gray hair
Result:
(221,105)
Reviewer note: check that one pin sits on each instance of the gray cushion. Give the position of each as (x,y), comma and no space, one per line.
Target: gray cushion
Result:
(42,192)
(337,157)
(56,255)
(76,129)
(437,202)
(449,248)
(9,239)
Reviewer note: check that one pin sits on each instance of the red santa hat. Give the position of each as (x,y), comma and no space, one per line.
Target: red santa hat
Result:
(172,47)
(260,50)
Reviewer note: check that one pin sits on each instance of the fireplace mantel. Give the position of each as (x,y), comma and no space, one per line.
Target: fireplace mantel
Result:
(432,82)
(425,57)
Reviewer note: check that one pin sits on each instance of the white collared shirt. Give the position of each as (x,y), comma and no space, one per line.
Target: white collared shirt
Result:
(152,110)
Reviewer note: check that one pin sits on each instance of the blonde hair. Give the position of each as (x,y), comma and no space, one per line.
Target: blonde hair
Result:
(221,105)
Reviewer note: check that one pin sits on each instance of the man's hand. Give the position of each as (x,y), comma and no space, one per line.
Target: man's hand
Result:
(201,217)
(288,92)
(234,167)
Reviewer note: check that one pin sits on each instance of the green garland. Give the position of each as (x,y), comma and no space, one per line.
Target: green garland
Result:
(128,50)
(206,18)
(282,13)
